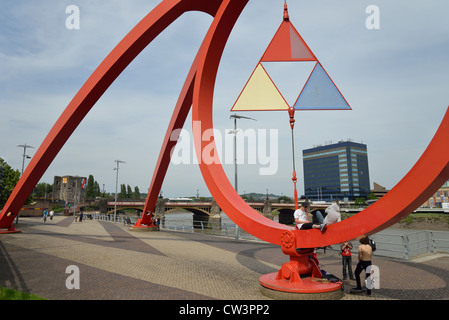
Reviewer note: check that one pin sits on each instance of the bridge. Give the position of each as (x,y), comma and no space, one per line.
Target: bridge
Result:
(163,207)
(211,209)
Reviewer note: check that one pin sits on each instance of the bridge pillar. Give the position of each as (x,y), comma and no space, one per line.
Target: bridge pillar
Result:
(160,207)
(215,210)
(267,207)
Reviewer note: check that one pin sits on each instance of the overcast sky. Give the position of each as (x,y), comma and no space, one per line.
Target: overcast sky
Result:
(395,79)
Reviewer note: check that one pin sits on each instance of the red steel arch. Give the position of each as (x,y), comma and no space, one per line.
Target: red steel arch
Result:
(100,80)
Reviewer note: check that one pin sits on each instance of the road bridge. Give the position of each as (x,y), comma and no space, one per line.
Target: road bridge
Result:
(162,207)
(211,209)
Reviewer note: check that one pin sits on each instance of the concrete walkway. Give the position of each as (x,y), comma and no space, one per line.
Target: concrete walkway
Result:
(117,264)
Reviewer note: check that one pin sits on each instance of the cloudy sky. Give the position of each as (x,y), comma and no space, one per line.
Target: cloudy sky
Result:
(395,78)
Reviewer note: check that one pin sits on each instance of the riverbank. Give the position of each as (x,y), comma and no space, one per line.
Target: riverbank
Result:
(424,222)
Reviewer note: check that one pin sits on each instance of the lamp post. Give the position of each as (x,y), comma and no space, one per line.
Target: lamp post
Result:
(116,185)
(24,146)
(235,117)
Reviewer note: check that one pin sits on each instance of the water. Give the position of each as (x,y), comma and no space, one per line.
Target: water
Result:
(182,220)
(186,218)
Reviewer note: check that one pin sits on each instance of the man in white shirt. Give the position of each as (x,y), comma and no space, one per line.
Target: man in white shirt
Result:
(302,219)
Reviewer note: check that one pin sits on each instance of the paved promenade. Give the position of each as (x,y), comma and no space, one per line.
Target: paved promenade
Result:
(118,264)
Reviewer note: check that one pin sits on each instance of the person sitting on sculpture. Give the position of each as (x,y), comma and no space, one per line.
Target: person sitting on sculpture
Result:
(302,219)
(332,215)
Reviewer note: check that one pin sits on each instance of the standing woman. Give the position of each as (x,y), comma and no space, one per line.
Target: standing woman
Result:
(365,256)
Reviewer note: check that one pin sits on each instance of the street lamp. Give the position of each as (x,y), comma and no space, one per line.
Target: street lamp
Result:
(235,117)
(116,185)
(24,146)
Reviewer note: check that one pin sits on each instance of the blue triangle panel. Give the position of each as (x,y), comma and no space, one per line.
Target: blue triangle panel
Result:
(320,93)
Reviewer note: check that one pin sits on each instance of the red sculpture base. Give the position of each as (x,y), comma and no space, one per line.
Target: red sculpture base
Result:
(301,278)
(306,285)
(309,289)
(142,227)
(10,229)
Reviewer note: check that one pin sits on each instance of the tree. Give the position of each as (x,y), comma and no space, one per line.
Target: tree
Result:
(129,192)
(97,189)
(136,194)
(122,194)
(285,199)
(90,187)
(42,190)
(8,180)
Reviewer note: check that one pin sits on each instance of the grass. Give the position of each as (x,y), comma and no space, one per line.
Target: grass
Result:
(11,294)
(418,217)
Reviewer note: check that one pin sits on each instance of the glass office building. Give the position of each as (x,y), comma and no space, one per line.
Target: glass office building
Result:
(336,171)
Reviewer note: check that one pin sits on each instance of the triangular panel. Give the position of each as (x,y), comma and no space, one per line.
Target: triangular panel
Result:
(320,93)
(299,49)
(287,45)
(260,93)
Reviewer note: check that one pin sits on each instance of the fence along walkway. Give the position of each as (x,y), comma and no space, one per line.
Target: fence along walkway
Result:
(407,245)
(394,243)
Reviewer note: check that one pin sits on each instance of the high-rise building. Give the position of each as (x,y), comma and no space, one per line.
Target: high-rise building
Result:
(336,171)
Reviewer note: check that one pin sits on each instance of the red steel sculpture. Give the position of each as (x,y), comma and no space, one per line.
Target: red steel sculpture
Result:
(424,179)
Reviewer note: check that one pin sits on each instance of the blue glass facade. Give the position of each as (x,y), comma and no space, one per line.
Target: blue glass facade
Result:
(336,171)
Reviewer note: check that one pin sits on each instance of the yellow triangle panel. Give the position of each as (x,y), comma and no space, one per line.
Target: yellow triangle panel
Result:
(260,93)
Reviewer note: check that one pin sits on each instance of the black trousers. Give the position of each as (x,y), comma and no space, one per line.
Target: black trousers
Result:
(362,265)
(347,264)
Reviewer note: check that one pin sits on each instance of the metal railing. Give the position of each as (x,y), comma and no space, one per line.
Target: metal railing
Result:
(400,245)
(212,228)
(410,244)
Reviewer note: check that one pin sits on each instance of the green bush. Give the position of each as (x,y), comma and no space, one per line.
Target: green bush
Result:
(11,294)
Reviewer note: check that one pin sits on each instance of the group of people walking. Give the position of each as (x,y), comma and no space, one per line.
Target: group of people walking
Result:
(46,214)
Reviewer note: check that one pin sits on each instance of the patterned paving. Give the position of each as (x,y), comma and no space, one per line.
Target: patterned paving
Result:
(116,264)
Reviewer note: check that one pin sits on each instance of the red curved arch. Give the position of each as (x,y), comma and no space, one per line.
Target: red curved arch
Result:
(428,174)
(110,68)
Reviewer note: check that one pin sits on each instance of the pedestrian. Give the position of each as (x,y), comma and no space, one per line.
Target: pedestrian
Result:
(158,222)
(51,214)
(45,213)
(346,260)
(365,256)
(81,215)
(302,219)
